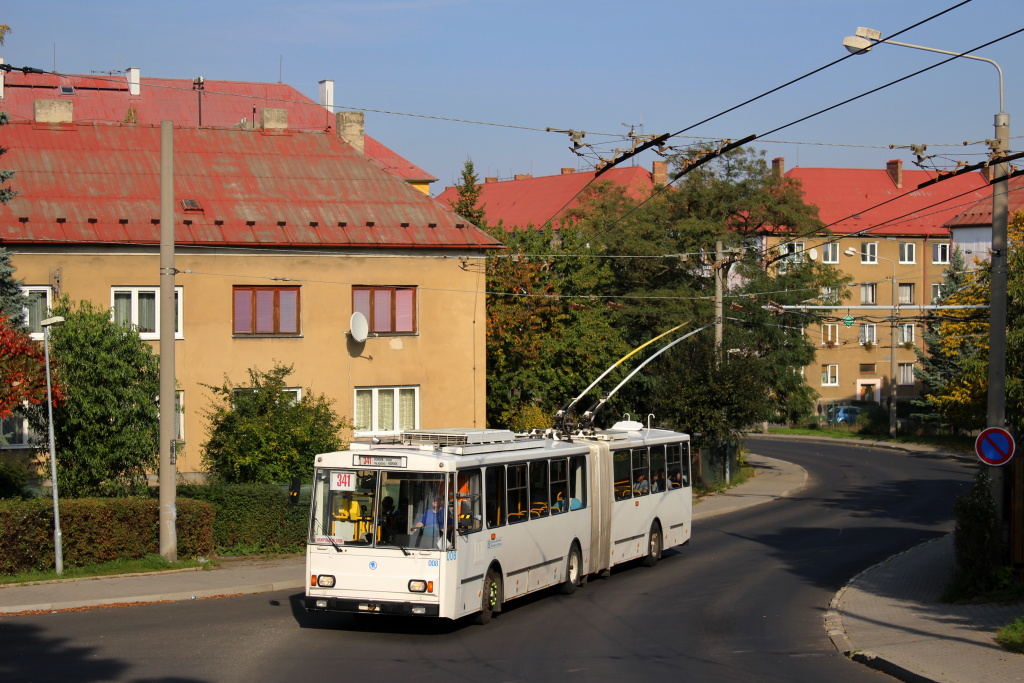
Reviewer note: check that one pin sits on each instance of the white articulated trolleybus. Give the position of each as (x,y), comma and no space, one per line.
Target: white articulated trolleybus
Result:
(454,522)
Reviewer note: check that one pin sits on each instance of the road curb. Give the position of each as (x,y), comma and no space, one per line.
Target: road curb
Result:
(863,443)
(841,641)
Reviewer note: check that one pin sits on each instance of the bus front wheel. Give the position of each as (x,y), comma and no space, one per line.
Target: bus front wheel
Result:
(491,598)
(573,570)
(653,546)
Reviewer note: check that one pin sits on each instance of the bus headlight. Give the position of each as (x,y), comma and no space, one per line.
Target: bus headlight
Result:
(419,586)
(325,581)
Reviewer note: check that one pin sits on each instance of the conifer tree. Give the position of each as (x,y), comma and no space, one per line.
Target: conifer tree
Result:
(466,205)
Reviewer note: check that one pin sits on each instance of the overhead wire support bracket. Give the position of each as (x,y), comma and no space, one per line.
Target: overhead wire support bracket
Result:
(967,169)
(658,141)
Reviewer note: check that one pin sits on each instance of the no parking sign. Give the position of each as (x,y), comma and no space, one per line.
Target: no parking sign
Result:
(995,446)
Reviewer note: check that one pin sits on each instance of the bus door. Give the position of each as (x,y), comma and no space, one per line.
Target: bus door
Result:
(601,490)
(466,561)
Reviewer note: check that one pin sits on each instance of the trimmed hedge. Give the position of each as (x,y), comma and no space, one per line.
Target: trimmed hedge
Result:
(252,518)
(95,530)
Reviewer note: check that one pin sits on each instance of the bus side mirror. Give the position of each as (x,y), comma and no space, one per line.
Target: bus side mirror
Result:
(293,491)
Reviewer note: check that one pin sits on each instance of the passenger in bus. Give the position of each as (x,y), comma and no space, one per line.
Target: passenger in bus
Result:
(641,487)
(675,479)
(435,518)
(659,483)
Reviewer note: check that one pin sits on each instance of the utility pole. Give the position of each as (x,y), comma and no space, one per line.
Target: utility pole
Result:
(719,294)
(892,354)
(168,313)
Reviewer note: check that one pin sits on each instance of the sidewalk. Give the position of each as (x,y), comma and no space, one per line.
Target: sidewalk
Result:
(887,617)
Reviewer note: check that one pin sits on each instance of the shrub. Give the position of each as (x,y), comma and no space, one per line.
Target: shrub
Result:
(975,538)
(12,480)
(95,530)
(252,518)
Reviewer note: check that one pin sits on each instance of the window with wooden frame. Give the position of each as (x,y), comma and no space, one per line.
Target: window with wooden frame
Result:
(388,310)
(269,311)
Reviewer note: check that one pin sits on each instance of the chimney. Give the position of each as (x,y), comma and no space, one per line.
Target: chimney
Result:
(779,166)
(327,95)
(987,172)
(895,170)
(134,86)
(351,128)
(491,179)
(523,176)
(52,111)
(659,173)
(568,171)
(274,119)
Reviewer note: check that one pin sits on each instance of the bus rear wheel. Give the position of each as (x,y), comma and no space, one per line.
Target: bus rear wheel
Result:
(653,546)
(573,570)
(491,598)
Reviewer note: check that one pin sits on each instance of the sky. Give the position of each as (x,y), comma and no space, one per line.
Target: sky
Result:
(509,69)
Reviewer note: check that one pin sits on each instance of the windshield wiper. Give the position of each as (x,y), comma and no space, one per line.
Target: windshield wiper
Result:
(387,527)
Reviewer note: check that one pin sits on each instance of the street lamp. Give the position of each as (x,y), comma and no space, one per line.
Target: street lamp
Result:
(861,43)
(893,379)
(58,550)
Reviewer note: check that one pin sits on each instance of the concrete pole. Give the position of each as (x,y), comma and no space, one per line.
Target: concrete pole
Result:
(893,379)
(168,312)
(719,293)
(58,539)
(997,314)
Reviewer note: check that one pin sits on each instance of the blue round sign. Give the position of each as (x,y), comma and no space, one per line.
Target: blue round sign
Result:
(995,446)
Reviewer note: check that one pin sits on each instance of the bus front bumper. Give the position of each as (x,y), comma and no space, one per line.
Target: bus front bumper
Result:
(325,604)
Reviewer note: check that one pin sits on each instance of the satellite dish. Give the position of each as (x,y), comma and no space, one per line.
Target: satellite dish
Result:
(359,329)
(812,254)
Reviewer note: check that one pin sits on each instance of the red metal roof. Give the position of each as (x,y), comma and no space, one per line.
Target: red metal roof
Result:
(87,183)
(979,214)
(224,104)
(845,197)
(535,201)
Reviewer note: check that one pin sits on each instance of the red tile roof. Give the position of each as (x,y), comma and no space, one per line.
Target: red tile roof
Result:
(845,197)
(535,201)
(87,183)
(979,214)
(224,104)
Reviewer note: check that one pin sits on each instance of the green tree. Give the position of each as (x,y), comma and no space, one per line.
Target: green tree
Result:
(107,429)
(467,202)
(260,434)
(12,300)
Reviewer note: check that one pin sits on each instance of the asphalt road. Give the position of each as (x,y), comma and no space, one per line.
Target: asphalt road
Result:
(743,602)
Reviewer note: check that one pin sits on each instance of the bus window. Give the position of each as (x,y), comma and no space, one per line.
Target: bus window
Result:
(678,469)
(518,496)
(413,520)
(468,501)
(539,496)
(620,474)
(577,482)
(659,477)
(495,496)
(641,472)
(559,486)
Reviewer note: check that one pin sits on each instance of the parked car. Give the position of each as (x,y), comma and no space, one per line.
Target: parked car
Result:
(843,415)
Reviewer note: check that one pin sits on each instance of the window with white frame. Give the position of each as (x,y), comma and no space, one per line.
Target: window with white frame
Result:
(386,410)
(905,373)
(791,253)
(868,333)
(291,394)
(139,308)
(830,334)
(908,252)
(37,308)
(830,295)
(906,333)
(940,252)
(14,431)
(869,252)
(936,292)
(906,292)
(829,375)
(830,252)
(867,294)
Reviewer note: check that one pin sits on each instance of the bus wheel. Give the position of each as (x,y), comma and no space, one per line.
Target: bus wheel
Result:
(491,600)
(653,546)
(573,569)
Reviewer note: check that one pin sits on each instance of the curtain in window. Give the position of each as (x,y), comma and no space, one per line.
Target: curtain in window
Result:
(123,308)
(404,305)
(382,310)
(364,410)
(243,311)
(265,311)
(147,312)
(35,310)
(289,311)
(407,409)
(386,410)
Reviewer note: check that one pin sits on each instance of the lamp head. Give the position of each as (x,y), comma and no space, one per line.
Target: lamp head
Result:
(857,45)
(850,251)
(55,321)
